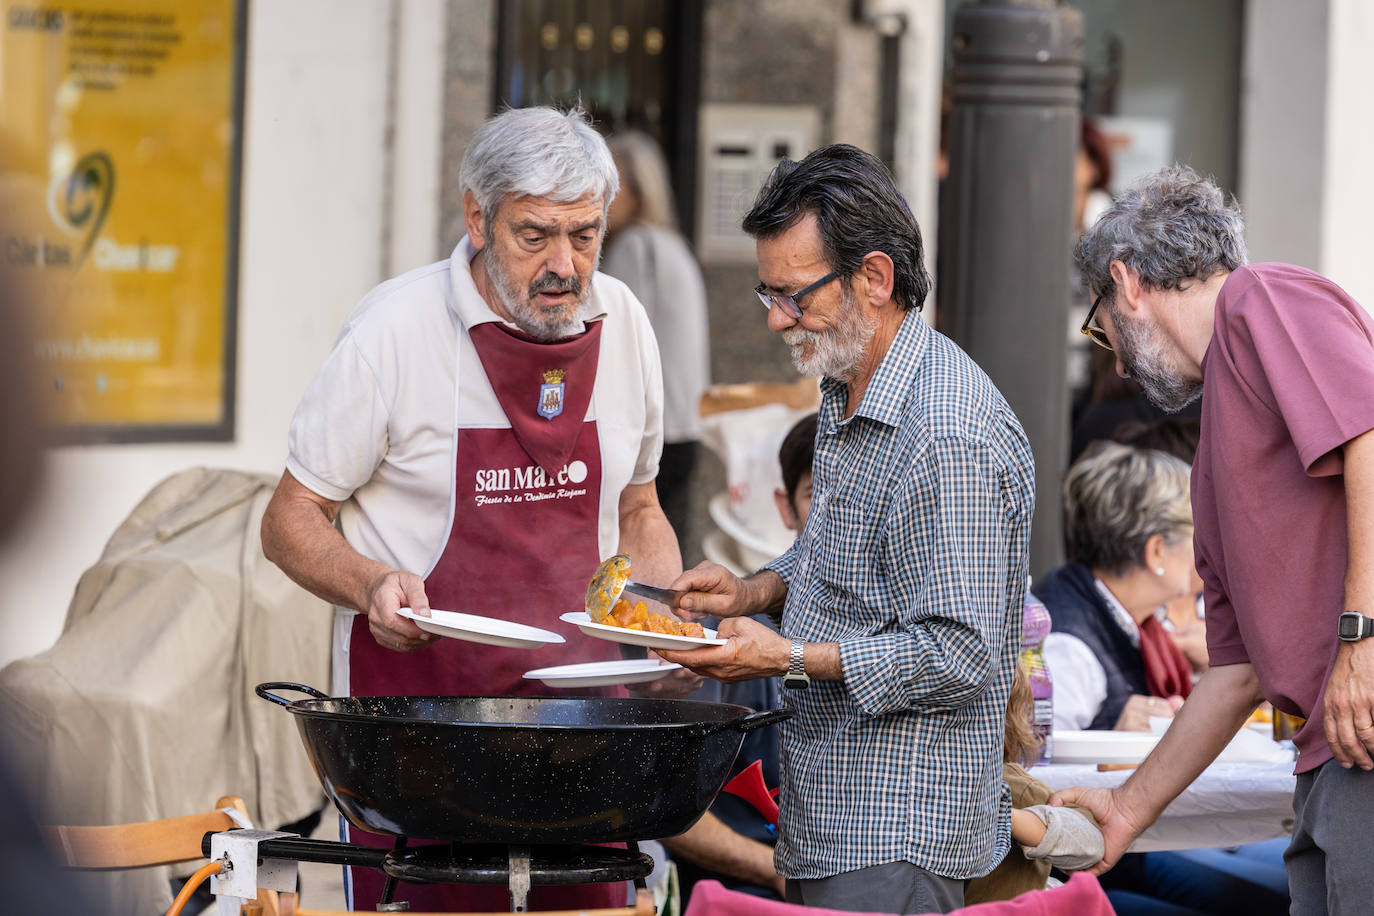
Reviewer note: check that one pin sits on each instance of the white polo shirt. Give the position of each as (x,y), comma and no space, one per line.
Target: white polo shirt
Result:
(375,430)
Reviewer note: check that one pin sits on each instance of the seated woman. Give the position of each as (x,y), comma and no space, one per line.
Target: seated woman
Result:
(1183,618)
(1129,530)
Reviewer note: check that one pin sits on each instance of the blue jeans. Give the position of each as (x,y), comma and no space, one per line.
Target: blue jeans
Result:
(1207,882)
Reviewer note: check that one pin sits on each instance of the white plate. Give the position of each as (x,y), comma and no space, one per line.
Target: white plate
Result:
(599,674)
(644,638)
(1102,746)
(489,630)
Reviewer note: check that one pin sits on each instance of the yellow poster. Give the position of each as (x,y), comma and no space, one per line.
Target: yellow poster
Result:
(119,124)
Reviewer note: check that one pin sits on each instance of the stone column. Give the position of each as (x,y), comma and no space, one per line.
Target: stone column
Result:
(1006,223)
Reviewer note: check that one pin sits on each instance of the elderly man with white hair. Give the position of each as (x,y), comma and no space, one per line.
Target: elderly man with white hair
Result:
(486,429)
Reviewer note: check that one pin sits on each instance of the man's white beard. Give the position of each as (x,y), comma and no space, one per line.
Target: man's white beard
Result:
(539,323)
(1145,359)
(836,351)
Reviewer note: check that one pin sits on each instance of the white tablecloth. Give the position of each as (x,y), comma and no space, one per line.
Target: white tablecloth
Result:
(1230,804)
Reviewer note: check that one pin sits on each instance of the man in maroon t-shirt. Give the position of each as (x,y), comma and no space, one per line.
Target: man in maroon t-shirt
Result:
(1283,503)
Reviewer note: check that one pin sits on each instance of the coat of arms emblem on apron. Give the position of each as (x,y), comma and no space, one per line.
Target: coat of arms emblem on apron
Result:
(551,394)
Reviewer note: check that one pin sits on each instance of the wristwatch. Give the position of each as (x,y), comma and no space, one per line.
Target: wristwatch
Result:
(1353,626)
(796,667)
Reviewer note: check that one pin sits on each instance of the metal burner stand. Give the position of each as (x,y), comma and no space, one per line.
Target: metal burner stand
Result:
(249,857)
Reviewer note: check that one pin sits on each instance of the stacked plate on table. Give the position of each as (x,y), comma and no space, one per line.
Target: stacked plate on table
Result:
(1110,747)
(1114,747)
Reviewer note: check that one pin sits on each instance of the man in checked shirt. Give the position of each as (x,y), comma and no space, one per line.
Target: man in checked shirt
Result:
(901,600)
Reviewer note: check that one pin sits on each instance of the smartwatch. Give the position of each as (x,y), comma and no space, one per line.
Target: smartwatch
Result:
(1353,626)
(796,667)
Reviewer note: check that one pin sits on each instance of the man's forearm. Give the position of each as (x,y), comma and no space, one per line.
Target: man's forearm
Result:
(1216,709)
(299,537)
(1349,700)
(766,593)
(648,538)
(1359,502)
(713,846)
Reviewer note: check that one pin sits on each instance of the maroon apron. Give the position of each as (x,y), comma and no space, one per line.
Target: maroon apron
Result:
(522,547)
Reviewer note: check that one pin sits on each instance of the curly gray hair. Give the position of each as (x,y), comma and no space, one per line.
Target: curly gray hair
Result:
(538,152)
(1171,227)
(1116,498)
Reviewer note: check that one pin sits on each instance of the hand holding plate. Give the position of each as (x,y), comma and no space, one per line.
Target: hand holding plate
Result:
(389,593)
(751,651)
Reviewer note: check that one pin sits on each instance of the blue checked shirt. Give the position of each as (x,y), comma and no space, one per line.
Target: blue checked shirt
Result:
(914,560)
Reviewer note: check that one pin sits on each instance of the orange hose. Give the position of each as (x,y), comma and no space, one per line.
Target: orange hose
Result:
(189,888)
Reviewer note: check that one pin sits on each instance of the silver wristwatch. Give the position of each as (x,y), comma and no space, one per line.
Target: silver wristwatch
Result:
(796,667)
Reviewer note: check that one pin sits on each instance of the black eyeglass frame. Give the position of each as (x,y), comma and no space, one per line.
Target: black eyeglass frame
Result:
(1096,335)
(789,303)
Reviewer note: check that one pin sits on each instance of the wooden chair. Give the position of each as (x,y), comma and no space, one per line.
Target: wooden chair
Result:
(165,842)
(149,843)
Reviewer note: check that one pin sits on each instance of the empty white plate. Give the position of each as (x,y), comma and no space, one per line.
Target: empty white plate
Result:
(599,674)
(1102,746)
(644,638)
(489,630)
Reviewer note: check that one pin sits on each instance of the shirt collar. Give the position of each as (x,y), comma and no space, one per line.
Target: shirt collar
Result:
(885,397)
(1120,616)
(467,303)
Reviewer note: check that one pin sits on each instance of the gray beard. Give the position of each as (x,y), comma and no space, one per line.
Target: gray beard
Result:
(1143,357)
(836,352)
(530,318)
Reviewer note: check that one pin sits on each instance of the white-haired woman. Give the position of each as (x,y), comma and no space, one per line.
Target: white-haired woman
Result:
(645,251)
(1129,529)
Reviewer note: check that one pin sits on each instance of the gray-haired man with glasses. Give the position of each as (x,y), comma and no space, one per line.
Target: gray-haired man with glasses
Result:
(1283,504)
(901,600)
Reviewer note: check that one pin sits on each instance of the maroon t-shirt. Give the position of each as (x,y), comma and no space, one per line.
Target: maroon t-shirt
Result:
(1287,380)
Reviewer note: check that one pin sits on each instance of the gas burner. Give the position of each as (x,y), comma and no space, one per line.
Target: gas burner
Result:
(519,867)
(465,863)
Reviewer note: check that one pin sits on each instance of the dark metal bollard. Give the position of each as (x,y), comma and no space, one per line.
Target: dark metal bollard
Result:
(1005,255)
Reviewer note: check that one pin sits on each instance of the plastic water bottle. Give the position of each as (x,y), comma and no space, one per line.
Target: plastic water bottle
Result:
(1035,626)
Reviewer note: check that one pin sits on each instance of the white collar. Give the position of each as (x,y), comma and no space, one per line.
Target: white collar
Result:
(1120,615)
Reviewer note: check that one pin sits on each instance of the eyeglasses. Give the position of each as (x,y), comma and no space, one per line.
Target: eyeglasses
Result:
(789,303)
(1095,334)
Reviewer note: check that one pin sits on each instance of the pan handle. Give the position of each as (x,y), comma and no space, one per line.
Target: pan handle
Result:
(760,719)
(263,690)
(746,724)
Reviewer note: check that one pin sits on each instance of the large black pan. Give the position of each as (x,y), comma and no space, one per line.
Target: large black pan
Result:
(520,769)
